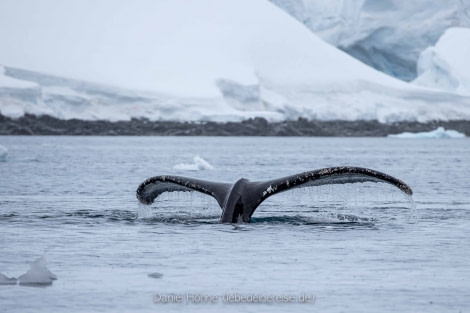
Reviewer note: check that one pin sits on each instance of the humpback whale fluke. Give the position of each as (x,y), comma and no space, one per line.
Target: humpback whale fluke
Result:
(240,200)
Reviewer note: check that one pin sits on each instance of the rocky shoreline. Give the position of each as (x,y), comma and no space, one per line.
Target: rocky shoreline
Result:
(47,125)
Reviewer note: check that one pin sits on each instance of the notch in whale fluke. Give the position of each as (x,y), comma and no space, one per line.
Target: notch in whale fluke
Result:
(240,200)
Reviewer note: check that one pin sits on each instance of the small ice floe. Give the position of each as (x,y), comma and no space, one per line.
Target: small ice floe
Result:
(3,153)
(155,275)
(440,132)
(7,281)
(38,274)
(199,164)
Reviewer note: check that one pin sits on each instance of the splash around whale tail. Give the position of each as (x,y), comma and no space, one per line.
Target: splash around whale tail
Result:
(241,199)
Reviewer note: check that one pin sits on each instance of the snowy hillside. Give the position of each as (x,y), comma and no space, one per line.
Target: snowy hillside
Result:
(192,60)
(17,95)
(389,35)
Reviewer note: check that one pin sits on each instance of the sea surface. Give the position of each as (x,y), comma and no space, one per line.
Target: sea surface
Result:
(343,248)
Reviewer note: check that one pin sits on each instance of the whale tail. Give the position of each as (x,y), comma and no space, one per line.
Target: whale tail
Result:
(241,199)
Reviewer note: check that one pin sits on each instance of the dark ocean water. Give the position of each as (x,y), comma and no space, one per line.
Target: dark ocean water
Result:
(355,248)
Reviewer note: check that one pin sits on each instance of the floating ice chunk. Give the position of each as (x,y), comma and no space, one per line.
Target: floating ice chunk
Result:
(203,164)
(3,153)
(7,281)
(199,164)
(186,167)
(440,132)
(38,274)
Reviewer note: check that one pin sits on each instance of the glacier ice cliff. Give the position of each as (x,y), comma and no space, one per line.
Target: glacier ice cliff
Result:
(388,35)
(446,65)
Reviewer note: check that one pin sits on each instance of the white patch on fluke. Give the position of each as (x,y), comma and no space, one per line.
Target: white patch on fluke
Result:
(199,164)
(269,190)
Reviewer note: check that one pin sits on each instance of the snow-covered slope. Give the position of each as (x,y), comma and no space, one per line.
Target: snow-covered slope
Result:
(195,60)
(389,35)
(446,65)
(17,95)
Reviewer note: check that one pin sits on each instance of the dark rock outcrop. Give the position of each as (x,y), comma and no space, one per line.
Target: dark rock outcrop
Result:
(47,125)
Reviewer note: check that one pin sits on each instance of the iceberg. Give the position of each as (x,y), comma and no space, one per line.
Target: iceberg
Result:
(199,164)
(439,133)
(194,61)
(38,274)
(388,35)
(446,65)
(4,280)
